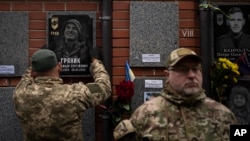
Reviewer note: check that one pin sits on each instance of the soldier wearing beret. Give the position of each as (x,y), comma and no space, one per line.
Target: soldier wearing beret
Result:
(50,110)
(182,111)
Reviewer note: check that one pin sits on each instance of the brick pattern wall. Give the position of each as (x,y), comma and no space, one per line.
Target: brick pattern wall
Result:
(189,33)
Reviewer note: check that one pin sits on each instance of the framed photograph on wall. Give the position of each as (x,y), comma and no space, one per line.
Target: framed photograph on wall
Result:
(71,36)
(150,95)
(238,100)
(232,35)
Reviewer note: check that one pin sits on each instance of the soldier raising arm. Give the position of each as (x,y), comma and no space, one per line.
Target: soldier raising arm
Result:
(50,110)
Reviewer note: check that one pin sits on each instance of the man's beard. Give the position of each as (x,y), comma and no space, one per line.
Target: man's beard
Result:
(191,91)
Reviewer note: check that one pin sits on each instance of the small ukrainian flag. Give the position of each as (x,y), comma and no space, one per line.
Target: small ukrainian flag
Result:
(129,73)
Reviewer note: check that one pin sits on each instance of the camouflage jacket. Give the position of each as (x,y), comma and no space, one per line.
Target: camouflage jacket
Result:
(172,117)
(52,111)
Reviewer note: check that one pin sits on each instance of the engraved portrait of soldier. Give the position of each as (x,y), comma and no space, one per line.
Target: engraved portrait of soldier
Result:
(232,38)
(71,39)
(239,103)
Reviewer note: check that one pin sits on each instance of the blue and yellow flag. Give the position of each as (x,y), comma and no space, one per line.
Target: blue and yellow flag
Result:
(129,73)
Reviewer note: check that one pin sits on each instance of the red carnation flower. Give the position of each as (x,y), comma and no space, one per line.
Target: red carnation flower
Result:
(125,91)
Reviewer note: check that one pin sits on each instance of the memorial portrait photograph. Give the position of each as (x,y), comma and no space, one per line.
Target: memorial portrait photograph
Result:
(232,35)
(239,101)
(71,37)
(150,95)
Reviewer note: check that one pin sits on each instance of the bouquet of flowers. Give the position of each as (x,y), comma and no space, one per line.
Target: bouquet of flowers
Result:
(124,93)
(223,74)
(122,104)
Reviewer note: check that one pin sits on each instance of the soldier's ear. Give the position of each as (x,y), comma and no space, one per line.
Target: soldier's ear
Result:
(166,72)
(59,67)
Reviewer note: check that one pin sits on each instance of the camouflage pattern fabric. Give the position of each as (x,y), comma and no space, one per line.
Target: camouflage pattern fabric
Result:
(52,111)
(172,117)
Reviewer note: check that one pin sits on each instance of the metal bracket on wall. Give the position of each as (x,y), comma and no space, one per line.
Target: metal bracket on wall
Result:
(105,18)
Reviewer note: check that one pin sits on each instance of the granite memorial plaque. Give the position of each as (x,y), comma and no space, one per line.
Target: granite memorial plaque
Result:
(237,98)
(88,127)
(154,32)
(10,126)
(146,88)
(14,43)
(10,129)
(232,35)
(70,36)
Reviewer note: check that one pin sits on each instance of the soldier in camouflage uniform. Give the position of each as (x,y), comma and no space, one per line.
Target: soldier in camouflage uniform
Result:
(50,110)
(182,112)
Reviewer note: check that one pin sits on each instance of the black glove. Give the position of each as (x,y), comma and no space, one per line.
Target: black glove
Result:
(94,52)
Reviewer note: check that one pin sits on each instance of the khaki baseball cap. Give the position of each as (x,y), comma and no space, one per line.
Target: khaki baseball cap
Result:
(180,53)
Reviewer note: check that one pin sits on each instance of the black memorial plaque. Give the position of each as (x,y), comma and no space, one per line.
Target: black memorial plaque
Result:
(70,36)
(232,35)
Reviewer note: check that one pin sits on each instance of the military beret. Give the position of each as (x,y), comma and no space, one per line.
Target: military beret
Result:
(43,60)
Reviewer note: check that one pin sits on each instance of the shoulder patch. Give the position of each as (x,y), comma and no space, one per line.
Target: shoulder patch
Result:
(94,88)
